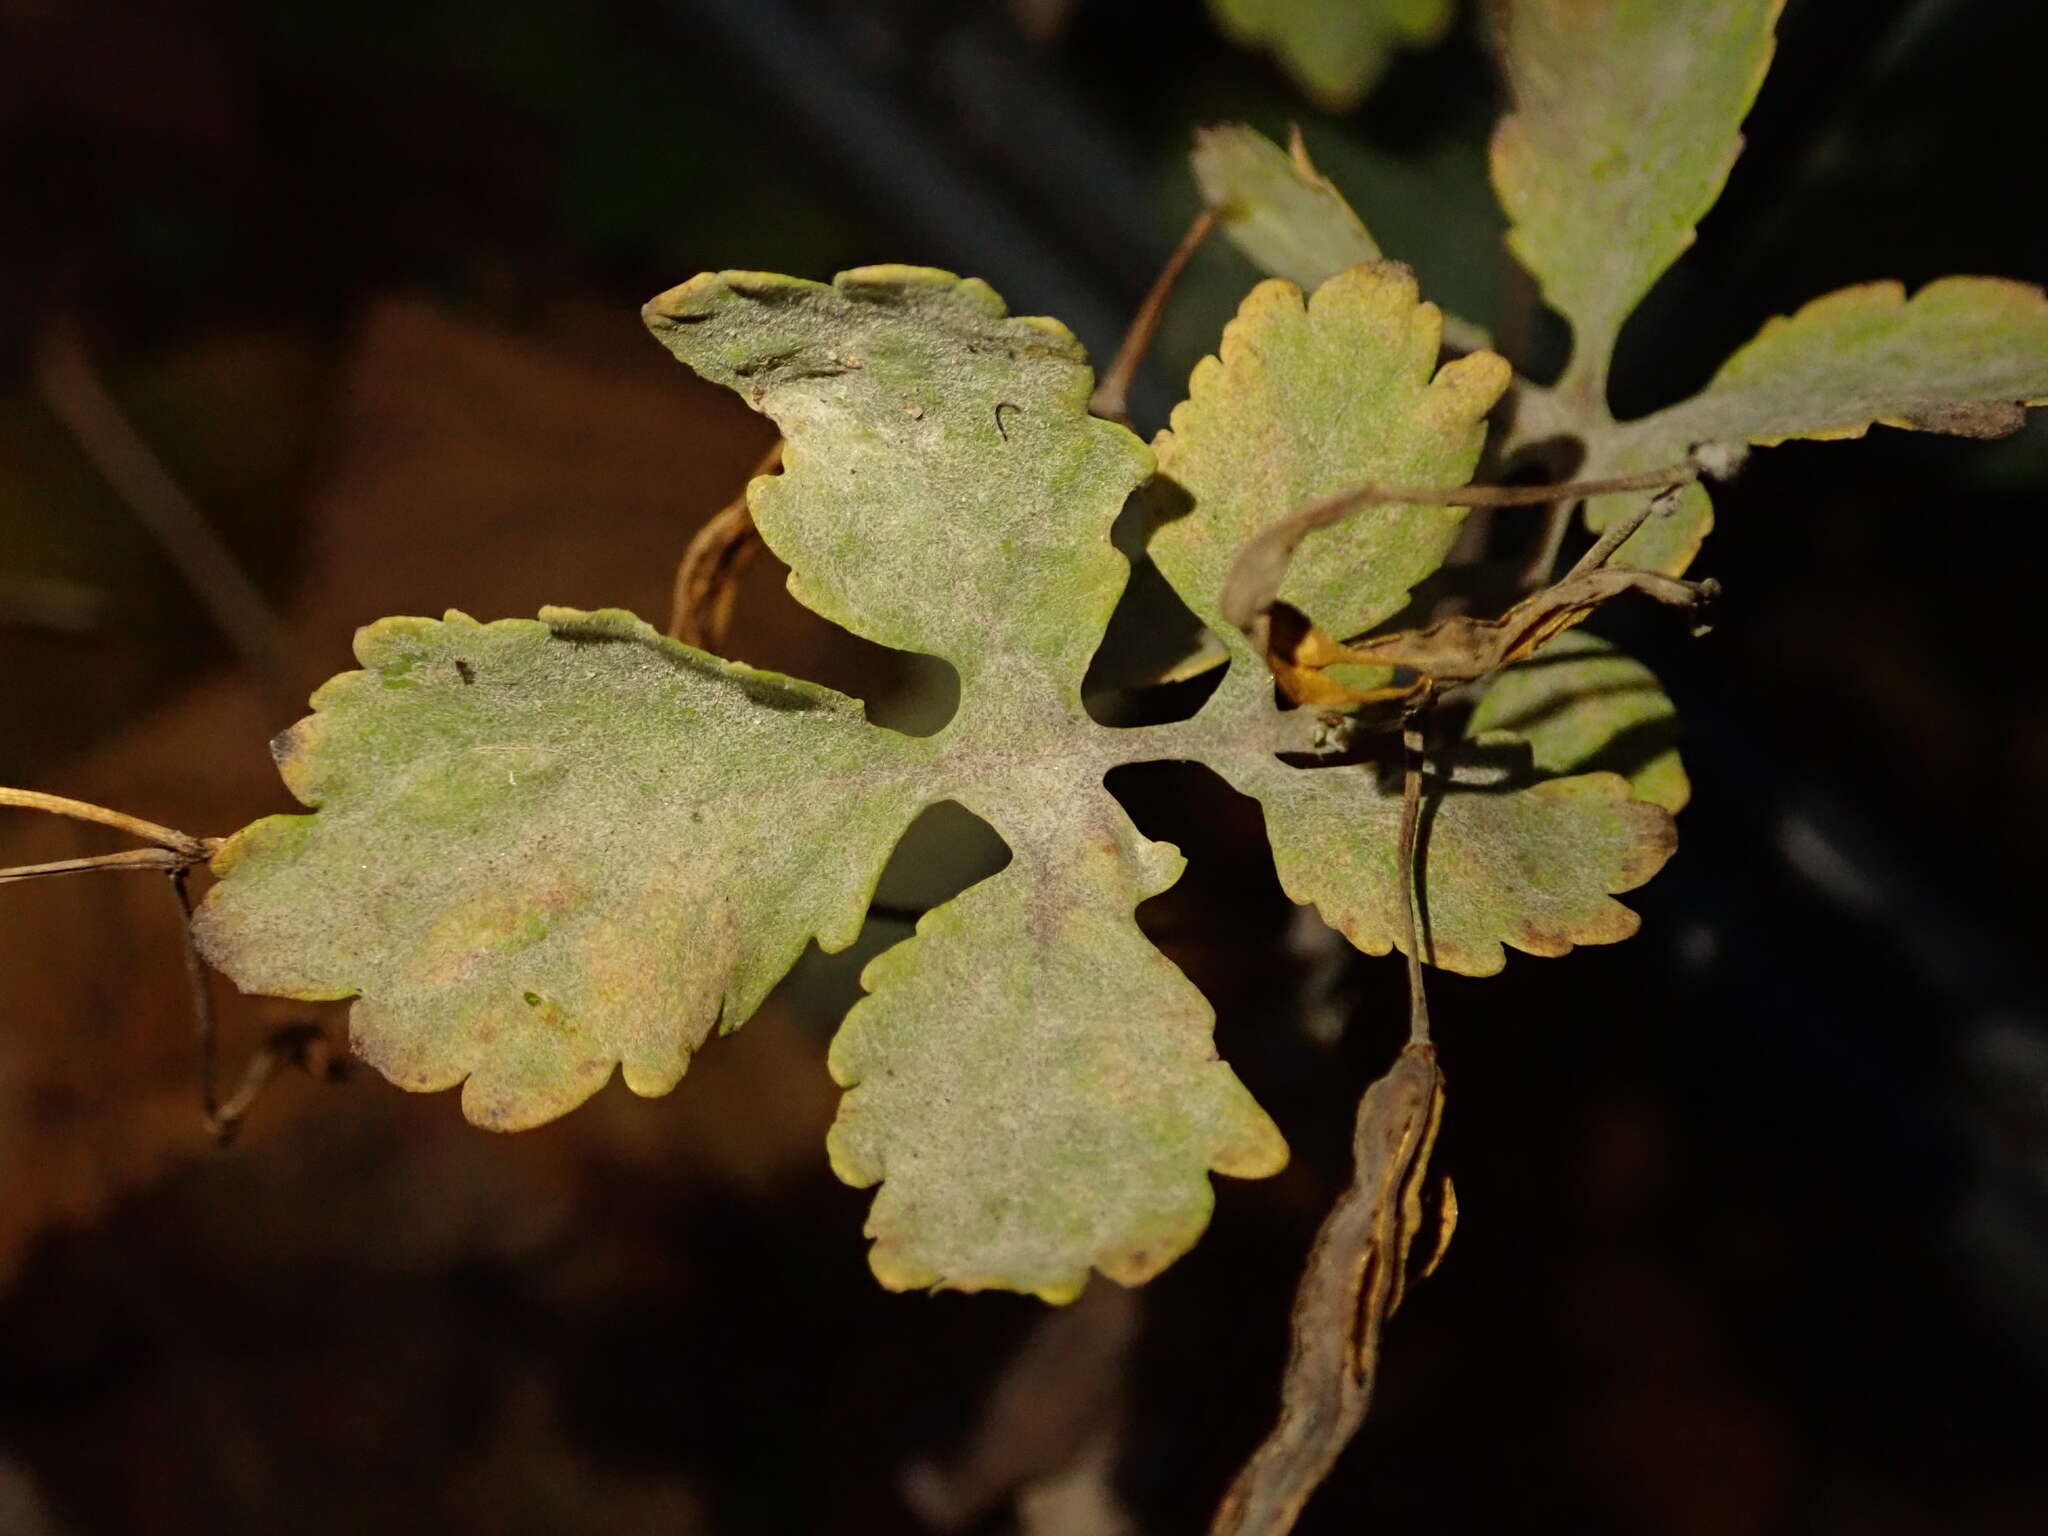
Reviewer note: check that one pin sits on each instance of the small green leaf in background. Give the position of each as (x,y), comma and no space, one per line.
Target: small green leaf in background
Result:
(1667,542)
(1290,220)
(1335,50)
(1276,207)
(1625,121)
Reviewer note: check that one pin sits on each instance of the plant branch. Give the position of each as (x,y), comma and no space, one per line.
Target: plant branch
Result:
(1622,529)
(201,984)
(1411,817)
(193,850)
(1557,524)
(157,860)
(1112,397)
(1261,566)
(303,1045)
(174,854)
(707,577)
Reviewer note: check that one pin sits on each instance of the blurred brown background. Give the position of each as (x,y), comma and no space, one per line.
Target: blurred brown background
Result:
(1756,1206)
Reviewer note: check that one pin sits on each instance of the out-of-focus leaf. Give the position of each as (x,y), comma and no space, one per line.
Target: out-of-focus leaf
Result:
(1964,355)
(1584,707)
(1625,122)
(1307,398)
(545,849)
(1278,208)
(1335,50)
(944,488)
(1507,862)
(1034,1083)
(1291,221)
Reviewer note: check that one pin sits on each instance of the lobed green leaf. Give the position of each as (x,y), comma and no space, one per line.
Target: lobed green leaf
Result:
(1034,1085)
(1964,355)
(1291,221)
(543,850)
(944,488)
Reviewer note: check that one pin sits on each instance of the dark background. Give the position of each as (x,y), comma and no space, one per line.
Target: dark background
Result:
(1755,1229)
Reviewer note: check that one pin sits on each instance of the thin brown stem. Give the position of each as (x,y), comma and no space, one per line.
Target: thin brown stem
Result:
(1411,819)
(1623,528)
(194,849)
(157,860)
(1112,396)
(1260,567)
(1498,495)
(707,577)
(200,981)
(302,1045)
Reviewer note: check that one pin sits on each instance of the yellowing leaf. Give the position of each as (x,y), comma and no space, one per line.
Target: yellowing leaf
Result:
(1583,707)
(543,850)
(1034,1085)
(1277,208)
(1505,861)
(1963,355)
(1335,49)
(1625,122)
(1306,399)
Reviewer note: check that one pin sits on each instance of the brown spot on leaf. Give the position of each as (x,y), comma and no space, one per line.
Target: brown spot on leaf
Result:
(1981,419)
